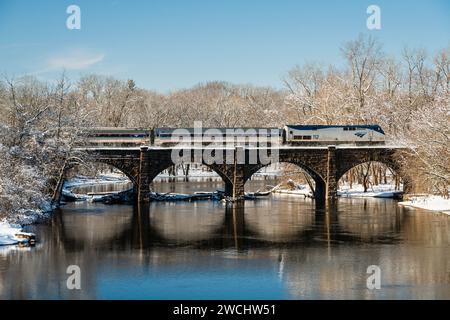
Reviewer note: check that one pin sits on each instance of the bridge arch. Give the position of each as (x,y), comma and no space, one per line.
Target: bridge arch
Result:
(348,159)
(155,171)
(128,170)
(319,189)
(393,166)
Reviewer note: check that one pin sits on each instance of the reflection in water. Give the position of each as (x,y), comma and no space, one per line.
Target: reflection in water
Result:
(371,219)
(275,248)
(94,225)
(298,216)
(184,221)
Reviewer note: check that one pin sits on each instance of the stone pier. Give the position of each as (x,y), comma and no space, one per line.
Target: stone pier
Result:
(145,178)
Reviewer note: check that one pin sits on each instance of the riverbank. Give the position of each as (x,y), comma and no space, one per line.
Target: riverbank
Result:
(13,234)
(345,191)
(428,202)
(378,191)
(107,178)
(11,228)
(25,217)
(7,233)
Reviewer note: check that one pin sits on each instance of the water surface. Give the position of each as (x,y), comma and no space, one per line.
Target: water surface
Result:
(281,247)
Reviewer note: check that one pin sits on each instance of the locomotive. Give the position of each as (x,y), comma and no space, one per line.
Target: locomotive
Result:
(333,134)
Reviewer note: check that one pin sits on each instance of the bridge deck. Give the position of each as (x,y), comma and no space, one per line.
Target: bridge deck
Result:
(342,147)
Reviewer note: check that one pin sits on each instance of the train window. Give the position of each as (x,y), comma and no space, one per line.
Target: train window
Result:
(303,137)
(345,129)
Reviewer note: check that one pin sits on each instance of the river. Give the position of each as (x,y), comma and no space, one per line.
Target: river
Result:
(279,247)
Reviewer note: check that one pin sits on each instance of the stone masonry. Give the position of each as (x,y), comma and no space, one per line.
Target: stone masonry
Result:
(326,165)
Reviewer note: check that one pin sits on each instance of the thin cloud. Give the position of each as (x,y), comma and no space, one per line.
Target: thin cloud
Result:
(75,61)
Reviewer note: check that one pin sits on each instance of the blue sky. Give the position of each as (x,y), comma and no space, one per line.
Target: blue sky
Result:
(171,44)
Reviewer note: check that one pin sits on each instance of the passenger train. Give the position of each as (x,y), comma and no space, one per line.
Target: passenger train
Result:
(307,135)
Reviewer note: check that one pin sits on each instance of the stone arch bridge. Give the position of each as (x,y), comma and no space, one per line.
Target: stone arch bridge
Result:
(326,165)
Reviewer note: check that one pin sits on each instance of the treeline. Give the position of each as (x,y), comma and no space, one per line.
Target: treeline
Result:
(408,96)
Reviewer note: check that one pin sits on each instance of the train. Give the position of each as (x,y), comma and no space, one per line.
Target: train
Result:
(295,135)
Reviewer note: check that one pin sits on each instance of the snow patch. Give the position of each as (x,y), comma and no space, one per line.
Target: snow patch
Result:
(300,190)
(356,191)
(8,233)
(378,191)
(429,202)
(102,179)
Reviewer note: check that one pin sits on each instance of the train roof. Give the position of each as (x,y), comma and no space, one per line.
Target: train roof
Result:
(220,129)
(374,127)
(114,129)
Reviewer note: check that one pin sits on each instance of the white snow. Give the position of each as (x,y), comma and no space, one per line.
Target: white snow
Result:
(429,202)
(8,233)
(357,191)
(196,171)
(378,191)
(300,192)
(193,173)
(102,179)
(299,189)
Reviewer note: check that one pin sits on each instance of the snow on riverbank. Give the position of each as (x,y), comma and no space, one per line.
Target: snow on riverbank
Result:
(428,202)
(7,233)
(13,234)
(192,174)
(115,178)
(203,172)
(101,179)
(379,191)
(24,217)
(357,191)
(300,190)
